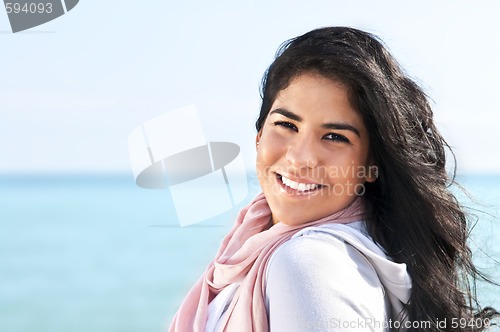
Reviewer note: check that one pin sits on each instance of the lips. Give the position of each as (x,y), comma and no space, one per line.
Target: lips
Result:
(299,186)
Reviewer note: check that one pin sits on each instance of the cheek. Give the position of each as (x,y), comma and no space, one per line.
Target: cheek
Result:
(265,159)
(345,166)
(271,148)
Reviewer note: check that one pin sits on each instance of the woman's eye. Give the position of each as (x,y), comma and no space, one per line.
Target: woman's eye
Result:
(286,125)
(336,138)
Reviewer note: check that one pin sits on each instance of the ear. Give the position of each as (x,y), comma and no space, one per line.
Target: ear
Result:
(257,139)
(371,172)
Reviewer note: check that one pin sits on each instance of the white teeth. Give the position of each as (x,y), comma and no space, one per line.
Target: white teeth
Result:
(298,186)
(285,181)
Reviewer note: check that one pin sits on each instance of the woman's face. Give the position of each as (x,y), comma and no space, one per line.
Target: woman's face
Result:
(312,151)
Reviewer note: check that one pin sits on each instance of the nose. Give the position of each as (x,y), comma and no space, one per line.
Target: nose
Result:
(302,152)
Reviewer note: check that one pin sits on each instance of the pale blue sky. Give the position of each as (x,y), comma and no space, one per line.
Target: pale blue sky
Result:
(73,89)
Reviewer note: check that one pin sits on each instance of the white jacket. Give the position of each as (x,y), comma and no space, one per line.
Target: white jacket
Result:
(328,278)
(335,278)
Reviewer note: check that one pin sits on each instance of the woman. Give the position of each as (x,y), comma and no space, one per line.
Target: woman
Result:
(356,228)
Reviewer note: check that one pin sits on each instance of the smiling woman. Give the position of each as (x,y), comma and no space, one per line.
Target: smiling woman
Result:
(311,133)
(356,227)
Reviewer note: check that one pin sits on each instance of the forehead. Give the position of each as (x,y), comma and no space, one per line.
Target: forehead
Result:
(315,95)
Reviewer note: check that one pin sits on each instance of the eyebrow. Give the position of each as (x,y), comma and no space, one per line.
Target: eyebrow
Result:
(329,125)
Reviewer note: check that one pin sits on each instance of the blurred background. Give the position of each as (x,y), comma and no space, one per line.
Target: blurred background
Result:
(81,247)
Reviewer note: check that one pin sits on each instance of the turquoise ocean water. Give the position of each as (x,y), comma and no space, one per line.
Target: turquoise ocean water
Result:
(97,253)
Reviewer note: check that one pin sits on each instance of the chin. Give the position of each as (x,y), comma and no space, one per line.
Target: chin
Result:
(294,220)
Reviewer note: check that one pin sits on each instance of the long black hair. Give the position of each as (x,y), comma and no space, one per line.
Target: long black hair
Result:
(410,209)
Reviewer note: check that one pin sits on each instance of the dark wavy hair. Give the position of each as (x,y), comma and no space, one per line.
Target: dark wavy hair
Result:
(410,209)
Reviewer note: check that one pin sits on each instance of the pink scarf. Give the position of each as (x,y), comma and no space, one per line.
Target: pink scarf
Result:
(243,257)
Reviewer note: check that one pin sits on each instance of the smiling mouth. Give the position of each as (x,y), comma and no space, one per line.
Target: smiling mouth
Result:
(299,187)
